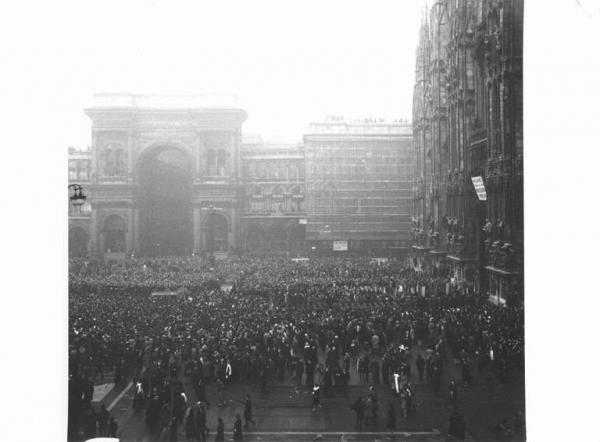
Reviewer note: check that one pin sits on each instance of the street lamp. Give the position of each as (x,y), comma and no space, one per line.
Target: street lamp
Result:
(211,233)
(78,197)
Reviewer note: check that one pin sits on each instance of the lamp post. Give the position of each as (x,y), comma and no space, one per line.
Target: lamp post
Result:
(211,233)
(78,197)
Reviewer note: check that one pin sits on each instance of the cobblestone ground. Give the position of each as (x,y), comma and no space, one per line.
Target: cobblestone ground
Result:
(286,413)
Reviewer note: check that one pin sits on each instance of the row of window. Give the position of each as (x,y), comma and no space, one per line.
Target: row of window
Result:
(380,191)
(356,244)
(216,162)
(358,210)
(277,192)
(357,155)
(365,199)
(350,145)
(373,226)
(79,170)
(113,159)
(270,171)
(274,206)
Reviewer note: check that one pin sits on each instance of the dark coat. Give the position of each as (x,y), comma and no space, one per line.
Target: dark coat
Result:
(237,430)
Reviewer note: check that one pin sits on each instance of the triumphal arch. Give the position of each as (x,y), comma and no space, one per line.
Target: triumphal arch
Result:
(165,175)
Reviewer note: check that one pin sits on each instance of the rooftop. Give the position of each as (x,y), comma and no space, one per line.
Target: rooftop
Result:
(364,126)
(151,101)
(255,142)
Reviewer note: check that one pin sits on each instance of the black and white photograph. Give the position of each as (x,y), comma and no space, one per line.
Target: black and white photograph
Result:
(303,221)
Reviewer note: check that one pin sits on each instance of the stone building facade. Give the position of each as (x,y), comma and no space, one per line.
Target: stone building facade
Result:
(468,120)
(178,178)
(273,214)
(80,171)
(358,179)
(146,148)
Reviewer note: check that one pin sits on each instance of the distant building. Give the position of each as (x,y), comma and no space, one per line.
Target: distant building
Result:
(80,170)
(358,185)
(174,176)
(274,215)
(163,177)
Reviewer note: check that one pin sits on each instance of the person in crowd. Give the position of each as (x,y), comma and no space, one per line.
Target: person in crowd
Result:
(345,380)
(173,430)
(429,369)
(359,408)
(373,395)
(112,428)
(420,363)
(191,425)
(436,379)
(465,372)
(90,423)
(453,391)
(457,426)
(409,398)
(375,370)
(237,429)
(248,417)
(404,402)
(103,418)
(316,396)
(220,433)
(368,411)
(201,422)
(391,418)
(220,392)
(328,378)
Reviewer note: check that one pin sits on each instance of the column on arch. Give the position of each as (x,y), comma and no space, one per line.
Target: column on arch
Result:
(197,229)
(129,235)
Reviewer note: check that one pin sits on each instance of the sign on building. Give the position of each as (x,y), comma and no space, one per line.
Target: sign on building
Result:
(340,246)
(479,187)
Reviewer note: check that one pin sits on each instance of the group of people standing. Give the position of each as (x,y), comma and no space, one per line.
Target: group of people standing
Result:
(275,320)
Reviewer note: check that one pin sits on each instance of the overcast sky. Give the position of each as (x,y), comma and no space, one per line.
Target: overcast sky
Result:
(289,62)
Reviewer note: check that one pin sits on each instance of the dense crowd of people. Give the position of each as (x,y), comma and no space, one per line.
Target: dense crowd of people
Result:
(313,320)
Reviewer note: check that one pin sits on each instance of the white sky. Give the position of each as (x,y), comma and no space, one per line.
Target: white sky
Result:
(290,62)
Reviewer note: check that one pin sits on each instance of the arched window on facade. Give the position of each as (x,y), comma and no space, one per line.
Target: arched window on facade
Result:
(114,234)
(277,200)
(114,160)
(108,162)
(72,170)
(221,162)
(256,200)
(297,199)
(211,162)
(120,168)
(83,169)
(261,171)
